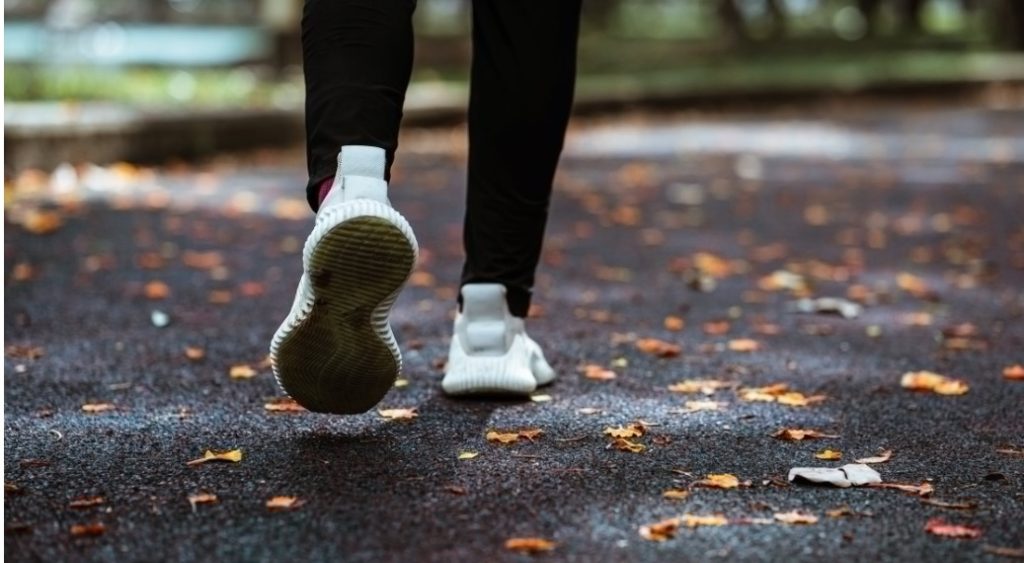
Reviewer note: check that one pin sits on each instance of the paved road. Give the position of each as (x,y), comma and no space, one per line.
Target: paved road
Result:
(847,203)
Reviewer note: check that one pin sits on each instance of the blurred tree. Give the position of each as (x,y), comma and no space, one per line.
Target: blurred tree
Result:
(1007,17)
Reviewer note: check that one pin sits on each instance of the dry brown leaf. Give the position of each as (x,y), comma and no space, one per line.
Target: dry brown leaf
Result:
(780,393)
(794,399)
(398,414)
(625,445)
(720,481)
(598,373)
(880,458)
(88,530)
(95,408)
(716,328)
(658,348)
(284,503)
(194,353)
(1014,372)
(156,290)
(241,371)
(798,434)
(705,386)
(938,527)
(233,456)
(829,455)
(508,437)
(660,531)
(41,222)
(283,404)
(86,502)
(744,345)
(633,430)
(674,323)
(915,286)
(23,352)
(1010,552)
(529,545)
(929,381)
(796,517)
(695,406)
(966,505)
(201,498)
(924,489)
(695,520)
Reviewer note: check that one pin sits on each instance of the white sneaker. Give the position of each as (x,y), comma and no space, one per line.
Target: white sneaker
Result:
(335,352)
(490,351)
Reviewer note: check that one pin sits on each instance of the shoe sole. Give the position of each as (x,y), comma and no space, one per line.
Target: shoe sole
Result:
(339,355)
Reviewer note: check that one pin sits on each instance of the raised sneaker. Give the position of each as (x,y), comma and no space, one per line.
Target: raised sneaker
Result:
(335,351)
(490,351)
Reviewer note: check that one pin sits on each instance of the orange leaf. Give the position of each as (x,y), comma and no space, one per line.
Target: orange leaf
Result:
(241,371)
(156,290)
(1014,372)
(929,381)
(674,323)
(284,404)
(658,348)
(632,431)
(705,386)
(596,372)
(744,345)
(660,531)
(194,353)
(83,530)
(675,494)
(201,498)
(529,545)
(622,444)
(284,503)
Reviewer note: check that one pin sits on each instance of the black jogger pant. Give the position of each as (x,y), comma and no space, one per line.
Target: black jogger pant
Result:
(357,57)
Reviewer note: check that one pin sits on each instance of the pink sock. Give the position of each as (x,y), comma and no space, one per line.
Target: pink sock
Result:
(324,189)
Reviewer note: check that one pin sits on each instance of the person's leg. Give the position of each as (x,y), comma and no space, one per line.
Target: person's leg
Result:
(357,57)
(335,351)
(524,65)
(524,68)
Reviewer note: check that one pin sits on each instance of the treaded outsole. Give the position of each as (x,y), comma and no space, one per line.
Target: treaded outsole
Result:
(340,355)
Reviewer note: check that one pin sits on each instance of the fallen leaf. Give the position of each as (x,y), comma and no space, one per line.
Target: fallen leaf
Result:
(88,530)
(658,348)
(201,498)
(695,406)
(705,386)
(720,481)
(529,545)
(938,527)
(94,408)
(23,352)
(694,520)
(40,222)
(780,393)
(929,381)
(622,444)
(744,345)
(915,286)
(829,455)
(798,434)
(633,430)
(398,414)
(468,455)
(840,512)
(284,503)
(508,437)
(924,489)
(795,517)
(233,456)
(1011,552)
(660,531)
(967,505)
(1014,372)
(716,328)
(880,458)
(674,323)
(675,494)
(86,502)
(156,290)
(283,404)
(596,372)
(194,353)
(241,371)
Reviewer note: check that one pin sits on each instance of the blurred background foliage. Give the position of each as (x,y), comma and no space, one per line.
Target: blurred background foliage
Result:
(245,53)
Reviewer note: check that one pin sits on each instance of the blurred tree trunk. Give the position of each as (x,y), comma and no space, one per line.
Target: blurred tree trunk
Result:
(731,19)
(869,9)
(1008,23)
(910,15)
(280,19)
(599,15)
(778,16)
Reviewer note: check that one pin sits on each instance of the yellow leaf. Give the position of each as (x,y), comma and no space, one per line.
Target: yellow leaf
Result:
(829,455)
(241,371)
(233,456)
(705,386)
(694,520)
(795,399)
(508,437)
(398,414)
(719,481)
(797,434)
(284,503)
(930,381)
(632,431)
(880,458)
(795,517)
(468,455)
(625,445)
(529,545)
(94,408)
(675,494)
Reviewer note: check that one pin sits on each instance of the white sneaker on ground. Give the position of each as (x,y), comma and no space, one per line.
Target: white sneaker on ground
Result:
(335,352)
(490,351)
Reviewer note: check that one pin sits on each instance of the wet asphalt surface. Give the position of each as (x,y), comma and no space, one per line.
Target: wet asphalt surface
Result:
(850,202)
